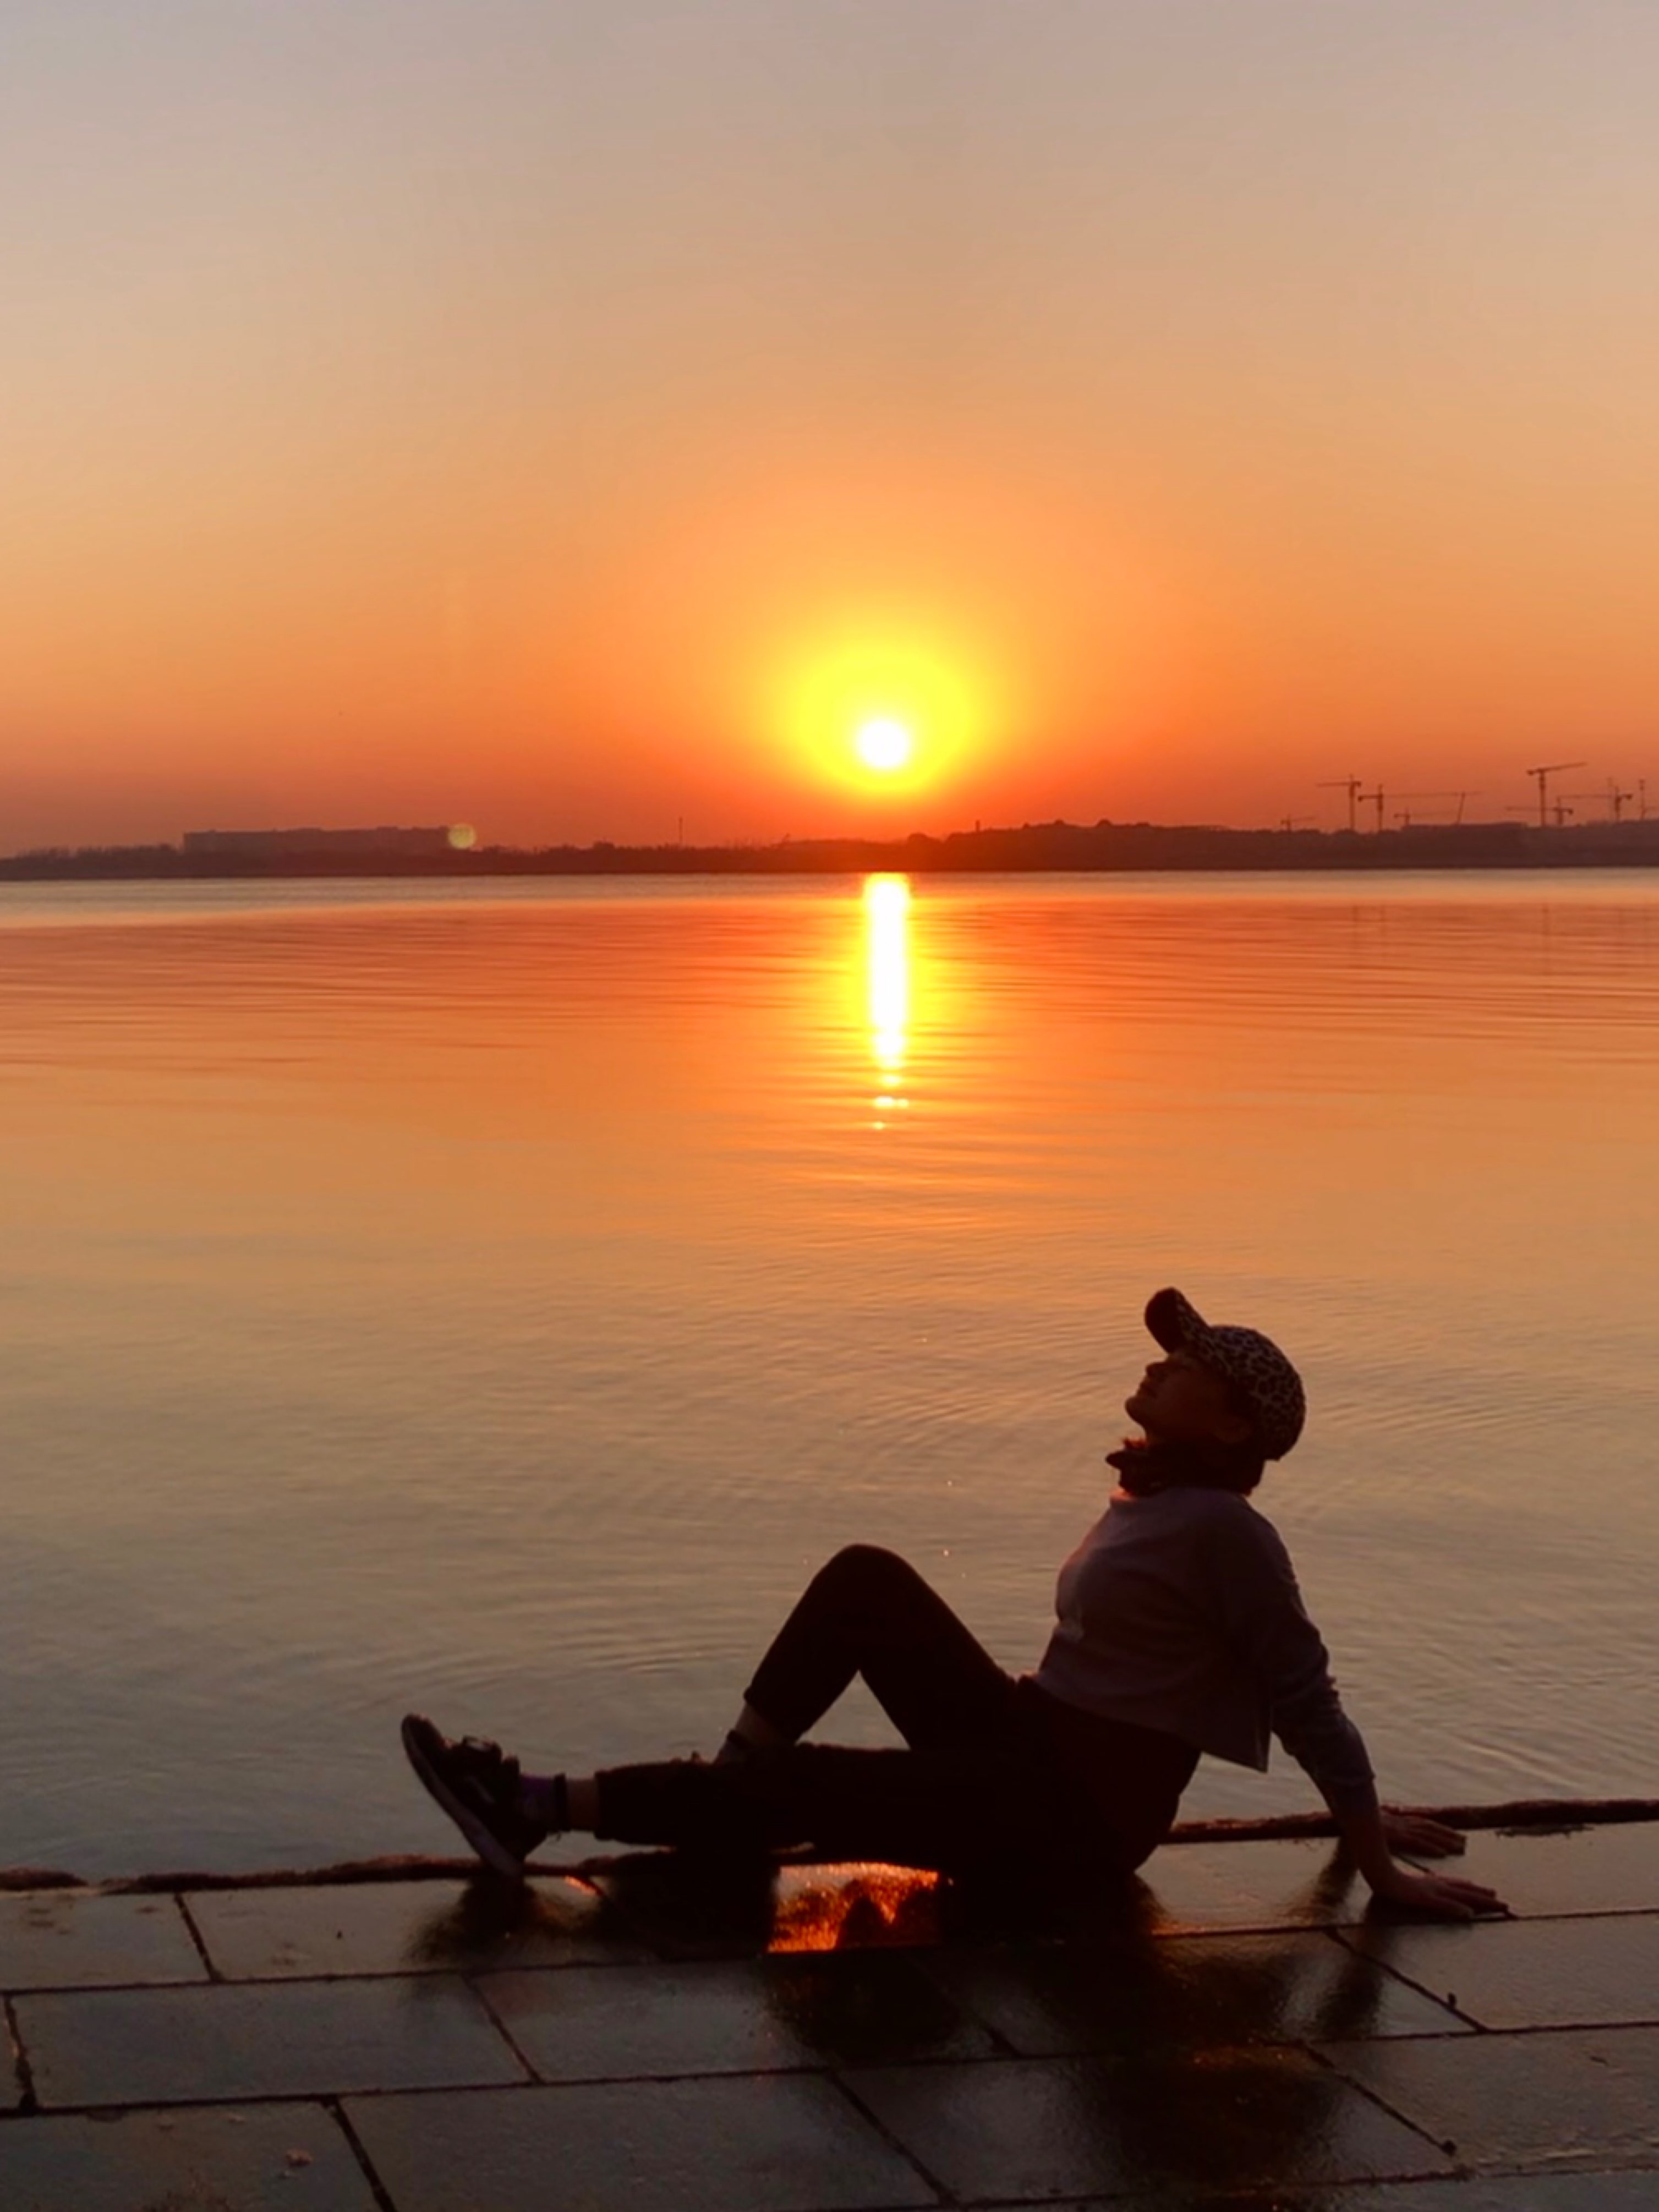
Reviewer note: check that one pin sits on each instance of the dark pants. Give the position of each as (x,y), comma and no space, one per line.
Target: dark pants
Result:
(997,1772)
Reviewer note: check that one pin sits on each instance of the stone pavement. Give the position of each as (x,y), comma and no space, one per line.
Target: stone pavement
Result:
(840,2039)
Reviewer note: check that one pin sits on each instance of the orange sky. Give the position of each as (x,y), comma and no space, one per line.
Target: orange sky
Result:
(572,420)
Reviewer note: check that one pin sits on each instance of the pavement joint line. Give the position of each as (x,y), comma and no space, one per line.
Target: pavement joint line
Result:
(1410,2035)
(1526,1919)
(1445,2145)
(202,2101)
(22,2071)
(247,1982)
(1529,2028)
(195,1934)
(894,2143)
(115,1988)
(1399,1974)
(335,2107)
(1513,2172)
(1315,2052)
(501,2027)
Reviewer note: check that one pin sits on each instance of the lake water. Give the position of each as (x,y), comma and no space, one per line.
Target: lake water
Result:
(497,1299)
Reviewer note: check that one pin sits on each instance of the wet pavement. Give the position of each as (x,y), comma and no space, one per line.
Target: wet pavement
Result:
(1238,2034)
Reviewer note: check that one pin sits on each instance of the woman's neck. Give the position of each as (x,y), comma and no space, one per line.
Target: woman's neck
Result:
(1146,1465)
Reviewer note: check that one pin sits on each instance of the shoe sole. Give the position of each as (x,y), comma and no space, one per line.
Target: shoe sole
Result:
(494,1853)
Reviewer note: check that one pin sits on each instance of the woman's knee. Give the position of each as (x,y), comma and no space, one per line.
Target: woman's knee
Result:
(866,1568)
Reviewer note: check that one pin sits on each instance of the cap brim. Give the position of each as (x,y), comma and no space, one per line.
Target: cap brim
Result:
(1175,1321)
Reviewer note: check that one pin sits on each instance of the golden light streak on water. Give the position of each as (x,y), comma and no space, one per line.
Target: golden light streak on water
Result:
(887,961)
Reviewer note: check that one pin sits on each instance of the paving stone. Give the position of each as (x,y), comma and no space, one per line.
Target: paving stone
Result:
(1622,2191)
(1612,1868)
(1537,1973)
(275,2039)
(64,1939)
(1579,2097)
(729,2016)
(1045,2128)
(291,2158)
(1182,1993)
(1528,2192)
(1288,1884)
(405,1928)
(777,2144)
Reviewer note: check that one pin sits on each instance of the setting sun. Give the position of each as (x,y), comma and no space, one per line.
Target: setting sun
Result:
(882,712)
(884,744)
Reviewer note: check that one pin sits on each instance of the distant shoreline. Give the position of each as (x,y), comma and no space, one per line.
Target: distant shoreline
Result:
(1049,848)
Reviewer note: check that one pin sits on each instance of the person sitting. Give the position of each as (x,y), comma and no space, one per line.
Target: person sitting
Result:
(1181,1630)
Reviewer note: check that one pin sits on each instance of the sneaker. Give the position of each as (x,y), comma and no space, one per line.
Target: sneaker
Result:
(477,1785)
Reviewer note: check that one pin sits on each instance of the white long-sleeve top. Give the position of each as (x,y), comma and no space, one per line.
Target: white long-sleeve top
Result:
(1179,1611)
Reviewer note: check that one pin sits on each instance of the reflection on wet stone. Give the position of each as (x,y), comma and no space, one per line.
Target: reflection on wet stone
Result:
(870,2011)
(393,1927)
(1573,2097)
(497,1923)
(1254,1885)
(1126,1999)
(1576,1972)
(1037,2128)
(728,2016)
(838,1908)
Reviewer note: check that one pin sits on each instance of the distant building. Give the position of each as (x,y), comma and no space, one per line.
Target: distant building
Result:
(342,844)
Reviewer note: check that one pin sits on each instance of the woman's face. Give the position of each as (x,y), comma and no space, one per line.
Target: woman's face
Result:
(1179,1401)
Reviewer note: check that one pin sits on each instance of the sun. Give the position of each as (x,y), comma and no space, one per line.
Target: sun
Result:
(883,744)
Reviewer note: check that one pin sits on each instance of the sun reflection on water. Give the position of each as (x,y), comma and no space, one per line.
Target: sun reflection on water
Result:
(887,955)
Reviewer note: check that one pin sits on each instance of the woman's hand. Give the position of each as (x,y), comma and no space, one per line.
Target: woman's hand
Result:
(1419,1838)
(1373,1837)
(1435,1896)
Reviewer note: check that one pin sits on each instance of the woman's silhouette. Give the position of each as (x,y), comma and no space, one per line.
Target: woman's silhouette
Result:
(1180,1630)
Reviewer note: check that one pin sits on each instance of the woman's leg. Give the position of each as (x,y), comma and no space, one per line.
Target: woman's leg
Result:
(870,1613)
(1052,1787)
(866,1614)
(949,1809)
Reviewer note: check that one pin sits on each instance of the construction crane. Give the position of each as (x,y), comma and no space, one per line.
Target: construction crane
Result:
(1288,822)
(1561,812)
(1353,786)
(1616,800)
(1543,774)
(1378,798)
(1461,797)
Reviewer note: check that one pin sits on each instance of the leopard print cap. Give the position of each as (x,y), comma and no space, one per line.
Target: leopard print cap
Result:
(1252,1363)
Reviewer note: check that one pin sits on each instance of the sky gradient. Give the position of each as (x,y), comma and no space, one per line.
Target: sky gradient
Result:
(574,419)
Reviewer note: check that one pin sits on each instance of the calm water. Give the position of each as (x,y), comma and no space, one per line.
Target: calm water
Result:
(498,1304)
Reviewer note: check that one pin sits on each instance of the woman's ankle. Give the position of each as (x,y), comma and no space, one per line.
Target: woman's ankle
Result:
(560,1802)
(752,1731)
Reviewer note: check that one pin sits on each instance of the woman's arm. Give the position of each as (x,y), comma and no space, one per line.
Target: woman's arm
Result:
(1263,1606)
